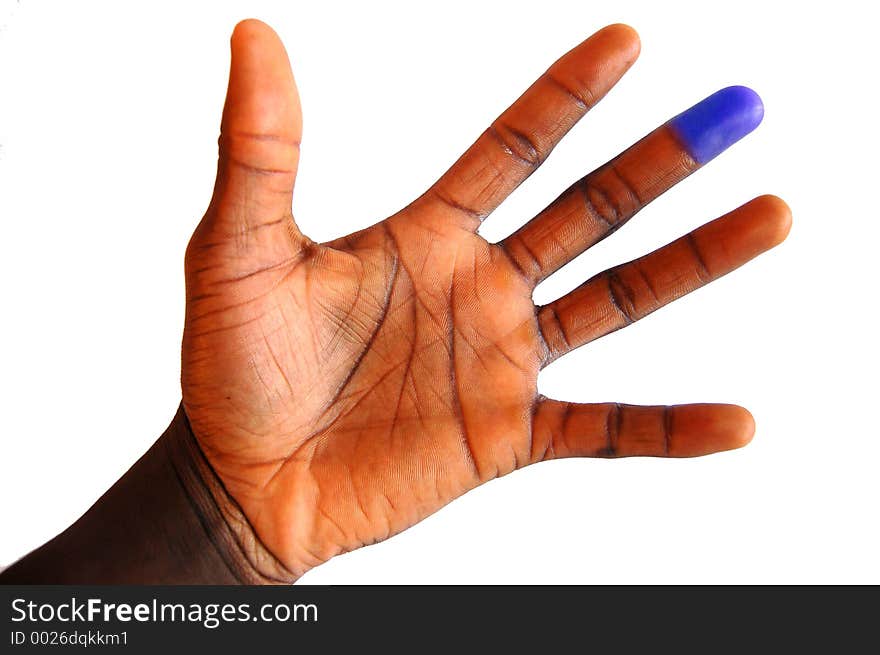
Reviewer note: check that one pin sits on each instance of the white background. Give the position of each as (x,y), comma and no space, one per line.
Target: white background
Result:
(108,121)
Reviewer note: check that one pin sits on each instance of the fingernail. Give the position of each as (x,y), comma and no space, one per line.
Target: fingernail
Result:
(713,125)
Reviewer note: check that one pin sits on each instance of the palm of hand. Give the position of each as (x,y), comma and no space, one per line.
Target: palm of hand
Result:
(379,378)
(344,391)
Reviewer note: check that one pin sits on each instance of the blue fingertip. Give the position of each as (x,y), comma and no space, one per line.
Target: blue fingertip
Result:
(713,125)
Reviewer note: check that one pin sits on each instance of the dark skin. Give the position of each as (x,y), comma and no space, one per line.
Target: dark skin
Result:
(335,394)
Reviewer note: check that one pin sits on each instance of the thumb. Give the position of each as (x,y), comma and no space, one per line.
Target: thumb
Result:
(259,140)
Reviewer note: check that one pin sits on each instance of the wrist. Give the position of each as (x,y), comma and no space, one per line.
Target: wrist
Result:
(167,520)
(230,533)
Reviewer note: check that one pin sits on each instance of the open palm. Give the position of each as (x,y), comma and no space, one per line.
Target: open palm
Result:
(344,391)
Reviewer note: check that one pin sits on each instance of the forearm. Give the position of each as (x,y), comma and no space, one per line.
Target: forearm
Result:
(161,523)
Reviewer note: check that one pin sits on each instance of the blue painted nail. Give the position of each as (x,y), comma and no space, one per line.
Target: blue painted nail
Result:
(713,125)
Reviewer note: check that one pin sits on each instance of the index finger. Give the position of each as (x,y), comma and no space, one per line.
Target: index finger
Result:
(519,140)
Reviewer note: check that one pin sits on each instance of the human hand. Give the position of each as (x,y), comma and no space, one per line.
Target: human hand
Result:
(344,391)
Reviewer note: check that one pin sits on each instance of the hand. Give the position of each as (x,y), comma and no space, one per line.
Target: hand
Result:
(344,391)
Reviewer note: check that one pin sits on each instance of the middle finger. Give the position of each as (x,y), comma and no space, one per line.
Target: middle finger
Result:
(598,204)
